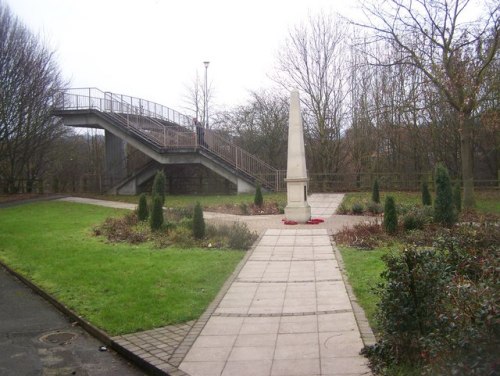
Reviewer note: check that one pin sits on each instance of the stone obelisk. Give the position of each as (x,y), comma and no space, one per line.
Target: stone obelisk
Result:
(297,208)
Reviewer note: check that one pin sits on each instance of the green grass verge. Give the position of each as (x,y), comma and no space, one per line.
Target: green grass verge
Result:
(403,198)
(120,288)
(363,272)
(486,201)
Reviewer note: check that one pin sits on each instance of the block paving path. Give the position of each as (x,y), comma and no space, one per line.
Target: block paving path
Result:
(286,311)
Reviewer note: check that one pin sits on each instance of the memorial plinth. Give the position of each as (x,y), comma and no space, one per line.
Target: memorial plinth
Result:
(297,208)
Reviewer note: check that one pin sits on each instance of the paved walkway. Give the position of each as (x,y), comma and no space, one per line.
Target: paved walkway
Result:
(286,313)
(93,201)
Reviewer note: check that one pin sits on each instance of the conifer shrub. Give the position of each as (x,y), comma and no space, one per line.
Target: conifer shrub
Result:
(444,212)
(375,192)
(156,220)
(142,208)
(258,199)
(198,222)
(390,215)
(159,185)
(426,195)
(457,197)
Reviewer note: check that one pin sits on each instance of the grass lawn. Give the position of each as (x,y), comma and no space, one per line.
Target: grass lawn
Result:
(486,201)
(120,288)
(363,271)
(403,198)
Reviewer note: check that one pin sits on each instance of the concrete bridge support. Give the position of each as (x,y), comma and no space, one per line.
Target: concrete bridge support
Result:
(116,158)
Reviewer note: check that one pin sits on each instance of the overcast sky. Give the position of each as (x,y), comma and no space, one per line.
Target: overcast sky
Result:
(153,48)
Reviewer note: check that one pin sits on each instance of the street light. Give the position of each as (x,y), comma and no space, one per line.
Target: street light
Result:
(205,104)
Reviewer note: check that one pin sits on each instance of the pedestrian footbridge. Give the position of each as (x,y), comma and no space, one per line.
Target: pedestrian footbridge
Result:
(166,136)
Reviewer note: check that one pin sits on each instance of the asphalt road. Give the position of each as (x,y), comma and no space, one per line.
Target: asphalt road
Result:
(36,339)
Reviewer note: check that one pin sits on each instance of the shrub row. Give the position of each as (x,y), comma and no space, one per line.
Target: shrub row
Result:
(438,307)
(447,205)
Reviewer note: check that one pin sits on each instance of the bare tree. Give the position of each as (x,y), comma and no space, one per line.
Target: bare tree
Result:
(195,99)
(260,126)
(361,136)
(29,79)
(454,53)
(314,61)
(77,162)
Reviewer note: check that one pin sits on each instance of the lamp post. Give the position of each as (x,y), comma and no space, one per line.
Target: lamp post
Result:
(205,104)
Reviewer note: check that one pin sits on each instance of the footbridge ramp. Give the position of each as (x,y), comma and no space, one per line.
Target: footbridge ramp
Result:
(163,134)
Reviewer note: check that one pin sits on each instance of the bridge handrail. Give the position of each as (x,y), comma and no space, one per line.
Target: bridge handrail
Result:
(134,105)
(239,158)
(145,116)
(124,112)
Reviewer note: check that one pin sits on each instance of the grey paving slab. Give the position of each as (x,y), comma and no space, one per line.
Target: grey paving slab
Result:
(288,312)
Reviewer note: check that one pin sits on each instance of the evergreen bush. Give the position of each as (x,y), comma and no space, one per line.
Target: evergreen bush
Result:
(409,299)
(457,197)
(156,220)
(357,208)
(426,195)
(412,222)
(258,199)
(159,185)
(443,205)
(198,222)
(375,192)
(390,215)
(142,209)
(417,217)
(437,311)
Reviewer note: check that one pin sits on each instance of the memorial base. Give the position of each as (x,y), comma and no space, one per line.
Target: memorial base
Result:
(298,214)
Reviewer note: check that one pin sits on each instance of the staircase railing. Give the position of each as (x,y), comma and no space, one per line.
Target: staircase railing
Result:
(168,129)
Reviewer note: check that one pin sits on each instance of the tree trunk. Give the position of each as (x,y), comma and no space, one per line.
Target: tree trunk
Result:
(466,146)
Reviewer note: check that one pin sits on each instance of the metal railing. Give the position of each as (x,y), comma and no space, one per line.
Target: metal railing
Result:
(240,159)
(168,128)
(84,98)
